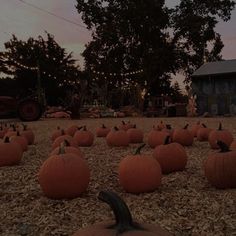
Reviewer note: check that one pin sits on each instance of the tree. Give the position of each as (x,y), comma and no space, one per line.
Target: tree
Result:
(194,24)
(129,34)
(57,69)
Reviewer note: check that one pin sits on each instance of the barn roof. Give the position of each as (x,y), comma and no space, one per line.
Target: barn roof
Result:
(216,68)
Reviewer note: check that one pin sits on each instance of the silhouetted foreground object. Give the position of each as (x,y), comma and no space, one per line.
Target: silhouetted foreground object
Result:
(124,224)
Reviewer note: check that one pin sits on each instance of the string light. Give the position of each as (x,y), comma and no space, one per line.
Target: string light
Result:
(115,74)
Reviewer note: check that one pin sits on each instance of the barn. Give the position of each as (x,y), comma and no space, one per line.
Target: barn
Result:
(214,85)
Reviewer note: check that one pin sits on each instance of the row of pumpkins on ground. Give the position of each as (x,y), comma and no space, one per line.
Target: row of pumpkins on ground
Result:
(137,172)
(65,174)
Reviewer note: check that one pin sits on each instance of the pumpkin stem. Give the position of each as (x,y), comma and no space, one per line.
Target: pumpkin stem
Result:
(115,128)
(138,150)
(134,126)
(66,143)
(167,140)
(62,132)
(168,126)
(186,126)
(18,133)
(223,147)
(62,148)
(24,126)
(123,122)
(204,125)
(103,126)
(220,126)
(58,128)
(124,221)
(84,128)
(6,139)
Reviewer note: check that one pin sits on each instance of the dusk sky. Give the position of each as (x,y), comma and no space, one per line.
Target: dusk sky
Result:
(25,21)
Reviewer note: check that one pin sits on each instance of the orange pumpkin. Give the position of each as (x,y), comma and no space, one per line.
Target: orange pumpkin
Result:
(161,125)
(124,224)
(84,137)
(203,133)
(220,135)
(195,127)
(20,139)
(117,138)
(56,133)
(61,139)
(139,173)
(135,135)
(220,167)
(169,130)
(10,152)
(68,149)
(72,129)
(29,134)
(156,137)
(171,156)
(125,126)
(102,131)
(11,131)
(64,176)
(183,136)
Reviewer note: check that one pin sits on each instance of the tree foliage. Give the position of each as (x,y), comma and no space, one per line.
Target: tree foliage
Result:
(128,35)
(57,68)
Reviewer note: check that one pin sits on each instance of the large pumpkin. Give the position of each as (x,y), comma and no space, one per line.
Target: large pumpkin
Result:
(220,135)
(83,137)
(124,224)
(183,136)
(10,152)
(117,138)
(171,156)
(139,173)
(220,167)
(135,135)
(65,175)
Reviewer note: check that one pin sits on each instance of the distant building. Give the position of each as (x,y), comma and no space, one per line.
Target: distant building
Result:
(214,85)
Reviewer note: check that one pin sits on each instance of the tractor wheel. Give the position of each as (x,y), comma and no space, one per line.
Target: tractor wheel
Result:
(29,110)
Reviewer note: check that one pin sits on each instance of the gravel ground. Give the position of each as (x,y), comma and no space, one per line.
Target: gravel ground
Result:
(185,204)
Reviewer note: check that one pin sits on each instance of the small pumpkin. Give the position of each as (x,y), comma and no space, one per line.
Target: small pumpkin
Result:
(125,125)
(102,131)
(72,129)
(10,152)
(124,224)
(117,138)
(28,133)
(220,135)
(203,133)
(61,139)
(64,176)
(220,167)
(21,140)
(169,130)
(195,127)
(156,137)
(161,125)
(139,173)
(83,137)
(171,156)
(135,135)
(183,136)
(11,131)
(68,149)
(56,133)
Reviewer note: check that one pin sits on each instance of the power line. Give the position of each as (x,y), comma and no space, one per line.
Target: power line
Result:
(53,14)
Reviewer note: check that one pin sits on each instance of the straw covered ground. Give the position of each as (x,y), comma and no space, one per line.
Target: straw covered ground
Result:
(185,204)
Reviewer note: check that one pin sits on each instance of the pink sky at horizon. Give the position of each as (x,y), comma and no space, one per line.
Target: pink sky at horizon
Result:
(25,21)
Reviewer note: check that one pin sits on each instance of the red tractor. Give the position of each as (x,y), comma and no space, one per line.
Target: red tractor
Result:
(27,109)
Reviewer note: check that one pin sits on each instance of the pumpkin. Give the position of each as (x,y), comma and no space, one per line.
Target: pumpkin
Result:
(169,130)
(124,224)
(220,167)
(84,137)
(56,133)
(11,131)
(64,175)
(171,156)
(28,133)
(125,126)
(220,135)
(203,133)
(10,152)
(117,138)
(68,149)
(139,173)
(194,128)
(156,137)
(20,139)
(102,131)
(72,129)
(183,136)
(161,125)
(61,139)
(135,135)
